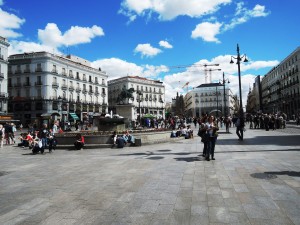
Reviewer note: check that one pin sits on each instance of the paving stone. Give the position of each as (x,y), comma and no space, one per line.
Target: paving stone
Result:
(109,186)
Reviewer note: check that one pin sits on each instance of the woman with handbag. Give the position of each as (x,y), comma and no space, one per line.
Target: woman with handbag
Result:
(211,129)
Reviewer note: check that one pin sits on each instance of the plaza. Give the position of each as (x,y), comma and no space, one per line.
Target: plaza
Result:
(255,181)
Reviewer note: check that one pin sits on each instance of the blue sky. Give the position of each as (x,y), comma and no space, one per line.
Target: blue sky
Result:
(151,38)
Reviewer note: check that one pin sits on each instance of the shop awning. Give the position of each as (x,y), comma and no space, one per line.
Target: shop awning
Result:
(74,116)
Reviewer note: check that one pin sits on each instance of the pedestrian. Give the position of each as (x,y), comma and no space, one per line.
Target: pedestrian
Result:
(114,139)
(79,142)
(211,129)
(2,133)
(43,135)
(240,128)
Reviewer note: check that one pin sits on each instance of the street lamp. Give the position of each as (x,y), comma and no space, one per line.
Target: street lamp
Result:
(239,58)
(223,82)
(139,99)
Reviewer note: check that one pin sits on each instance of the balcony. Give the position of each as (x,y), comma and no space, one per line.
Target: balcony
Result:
(55,85)
(71,88)
(97,93)
(38,83)
(54,71)
(84,90)
(91,92)
(27,71)
(64,87)
(78,89)
(17,85)
(38,69)
(26,84)
(1,76)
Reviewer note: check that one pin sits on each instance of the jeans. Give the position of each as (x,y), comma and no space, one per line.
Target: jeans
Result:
(211,147)
(239,132)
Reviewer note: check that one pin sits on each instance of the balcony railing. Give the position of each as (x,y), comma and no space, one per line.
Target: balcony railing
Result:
(78,89)
(55,85)
(39,69)
(38,83)
(71,88)
(1,76)
(26,84)
(64,87)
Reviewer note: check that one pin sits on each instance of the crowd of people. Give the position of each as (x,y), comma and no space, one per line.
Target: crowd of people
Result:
(38,140)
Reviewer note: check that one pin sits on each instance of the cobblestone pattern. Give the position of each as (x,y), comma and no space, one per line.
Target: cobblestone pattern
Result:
(156,184)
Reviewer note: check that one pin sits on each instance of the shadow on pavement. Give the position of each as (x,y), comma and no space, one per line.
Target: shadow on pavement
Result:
(290,140)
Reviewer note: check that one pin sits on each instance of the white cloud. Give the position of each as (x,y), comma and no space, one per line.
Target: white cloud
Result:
(243,15)
(195,75)
(52,36)
(207,31)
(116,68)
(1,2)
(9,23)
(18,47)
(147,50)
(170,9)
(165,44)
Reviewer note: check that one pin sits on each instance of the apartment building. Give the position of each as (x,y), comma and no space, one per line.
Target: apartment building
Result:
(208,98)
(148,96)
(281,87)
(3,75)
(43,87)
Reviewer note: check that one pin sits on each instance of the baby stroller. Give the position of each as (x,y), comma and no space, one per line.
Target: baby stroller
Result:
(37,147)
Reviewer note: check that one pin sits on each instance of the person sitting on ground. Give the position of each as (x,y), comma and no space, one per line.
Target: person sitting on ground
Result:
(173,134)
(26,139)
(128,137)
(120,141)
(79,142)
(37,146)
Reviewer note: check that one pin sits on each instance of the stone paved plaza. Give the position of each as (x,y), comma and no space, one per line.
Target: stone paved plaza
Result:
(255,181)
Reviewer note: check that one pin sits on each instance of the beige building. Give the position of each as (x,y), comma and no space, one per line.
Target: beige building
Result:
(208,98)
(281,87)
(3,75)
(148,97)
(44,87)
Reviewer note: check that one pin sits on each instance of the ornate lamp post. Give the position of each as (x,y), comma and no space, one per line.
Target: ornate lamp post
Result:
(223,82)
(139,99)
(239,58)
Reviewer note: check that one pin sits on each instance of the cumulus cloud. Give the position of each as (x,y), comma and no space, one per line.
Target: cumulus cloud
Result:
(116,68)
(18,47)
(170,9)
(147,50)
(165,44)
(243,15)
(207,31)
(52,36)
(9,23)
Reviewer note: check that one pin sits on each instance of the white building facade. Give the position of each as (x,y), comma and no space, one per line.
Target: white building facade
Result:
(208,99)
(44,86)
(281,87)
(148,96)
(3,75)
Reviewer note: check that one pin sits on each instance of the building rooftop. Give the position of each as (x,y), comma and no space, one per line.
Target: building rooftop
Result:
(209,85)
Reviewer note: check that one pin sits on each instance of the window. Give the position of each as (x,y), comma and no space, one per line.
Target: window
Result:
(103,83)
(77,76)
(63,71)
(54,69)
(38,67)
(27,93)
(39,92)
(90,78)
(96,80)
(84,77)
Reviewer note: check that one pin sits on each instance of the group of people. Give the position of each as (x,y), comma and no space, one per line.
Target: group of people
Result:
(7,133)
(120,141)
(183,131)
(41,139)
